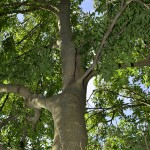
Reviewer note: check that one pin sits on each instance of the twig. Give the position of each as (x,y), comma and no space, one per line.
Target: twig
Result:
(145,5)
(127,105)
(37,5)
(29,33)
(145,103)
(18,11)
(10,118)
(91,95)
(6,98)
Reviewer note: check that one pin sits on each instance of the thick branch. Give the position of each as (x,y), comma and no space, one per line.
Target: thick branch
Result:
(67,45)
(90,76)
(34,119)
(17,89)
(79,71)
(32,100)
(108,32)
(141,63)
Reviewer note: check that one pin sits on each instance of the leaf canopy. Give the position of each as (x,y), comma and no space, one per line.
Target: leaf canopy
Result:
(30,55)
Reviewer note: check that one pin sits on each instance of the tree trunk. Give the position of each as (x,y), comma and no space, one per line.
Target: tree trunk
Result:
(68,115)
(68,108)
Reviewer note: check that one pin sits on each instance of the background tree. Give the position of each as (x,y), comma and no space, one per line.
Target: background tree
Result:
(47,60)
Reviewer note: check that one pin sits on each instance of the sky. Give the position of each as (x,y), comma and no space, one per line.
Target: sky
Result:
(87,5)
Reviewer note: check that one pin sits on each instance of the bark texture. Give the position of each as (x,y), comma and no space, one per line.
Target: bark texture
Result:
(67,45)
(70,130)
(68,107)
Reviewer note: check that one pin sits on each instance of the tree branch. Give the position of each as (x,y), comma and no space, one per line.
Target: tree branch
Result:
(67,45)
(90,76)
(17,89)
(35,6)
(108,32)
(32,100)
(34,119)
(18,11)
(47,6)
(141,63)
(99,53)
(10,118)
(6,98)
(24,134)
(144,4)
(30,33)
(122,3)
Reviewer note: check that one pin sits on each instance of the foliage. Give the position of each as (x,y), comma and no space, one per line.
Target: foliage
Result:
(30,56)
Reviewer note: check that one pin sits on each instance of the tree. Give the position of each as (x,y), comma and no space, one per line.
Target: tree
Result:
(47,61)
